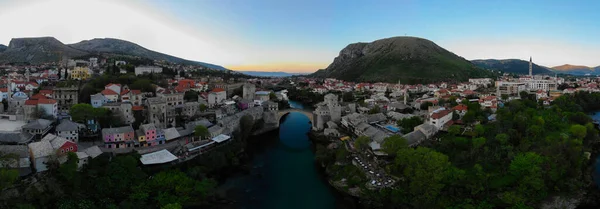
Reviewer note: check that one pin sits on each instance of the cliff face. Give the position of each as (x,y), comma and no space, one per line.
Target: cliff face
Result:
(409,59)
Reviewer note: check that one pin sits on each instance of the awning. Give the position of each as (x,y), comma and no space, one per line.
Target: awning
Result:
(158,157)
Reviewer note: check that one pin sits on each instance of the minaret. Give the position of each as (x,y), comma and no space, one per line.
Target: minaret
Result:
(27,75)
(405,97)
(530,68)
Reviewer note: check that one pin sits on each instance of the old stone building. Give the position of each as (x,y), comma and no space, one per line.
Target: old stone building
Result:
(66,97)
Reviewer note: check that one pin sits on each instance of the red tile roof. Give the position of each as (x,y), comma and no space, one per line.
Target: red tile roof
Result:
(440,114)
(136,91)
(110,84)
(108,92)
(218,90)
(125,92)
(31,102)
(46,101)
(38,96)
(461,107)
(46,91)
(137,108)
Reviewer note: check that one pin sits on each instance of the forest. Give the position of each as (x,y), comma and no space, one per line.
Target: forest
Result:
(527,155)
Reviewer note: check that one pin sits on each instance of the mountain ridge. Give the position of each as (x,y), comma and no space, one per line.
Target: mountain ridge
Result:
(37,50)
(408,59)
(516,66)
(3,47)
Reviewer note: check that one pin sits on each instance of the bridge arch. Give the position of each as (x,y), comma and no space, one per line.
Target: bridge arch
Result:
(287,111)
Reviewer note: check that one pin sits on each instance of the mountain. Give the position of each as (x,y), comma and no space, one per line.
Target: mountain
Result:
(577,69)
(2,48)
(270,74)
(37,50)
(116,46)
(408,59)
(511,66)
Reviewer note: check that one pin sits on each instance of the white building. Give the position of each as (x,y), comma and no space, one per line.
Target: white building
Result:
(440,117)
(216,96)
(68,130)
(147,70)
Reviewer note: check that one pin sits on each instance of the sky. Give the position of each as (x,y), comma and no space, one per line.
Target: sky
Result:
(306,35)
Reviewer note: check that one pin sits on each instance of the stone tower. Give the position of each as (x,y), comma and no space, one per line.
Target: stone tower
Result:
(27,74)
(248,91)
(405,97)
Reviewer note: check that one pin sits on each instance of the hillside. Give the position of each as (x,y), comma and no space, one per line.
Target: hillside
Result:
(270,74)
(511,66)
(408,59)
(577,69)
(37,50)
(121,47)
(2,48)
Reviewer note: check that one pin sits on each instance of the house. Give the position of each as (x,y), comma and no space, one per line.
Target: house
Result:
(244,104)
(80,73)
(489,102)
(68,130)
(135,97)
(120,137)
(111,95)
(540,94)
(15,138)
(397,106)
(216,96)
(147,70)
(461,109)
(440,117)
(125,96)
(149,135)
(40,153)
(38,128)
(21,162)
(98,100)
(48,106)
(60,145)
(114,87)
(262,95)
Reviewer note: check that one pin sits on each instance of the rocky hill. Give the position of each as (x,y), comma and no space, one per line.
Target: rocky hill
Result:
(49,49)
(577,69)
(511,66)
(122,47)
(408,59)
(2,48)
(37,50)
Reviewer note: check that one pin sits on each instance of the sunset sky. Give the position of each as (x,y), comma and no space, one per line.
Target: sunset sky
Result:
(306,35)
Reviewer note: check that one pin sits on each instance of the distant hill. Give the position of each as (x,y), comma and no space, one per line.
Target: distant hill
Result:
(409,59)
(577,69)
(270,74)
(511,66)
(49,49)
(37,50)
(121,47)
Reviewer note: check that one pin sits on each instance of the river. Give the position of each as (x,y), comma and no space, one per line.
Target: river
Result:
(283,173)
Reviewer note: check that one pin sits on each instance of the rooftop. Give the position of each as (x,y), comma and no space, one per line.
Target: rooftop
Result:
(67,125)
(119,130)
(221,138)
(38,124)
(158,157)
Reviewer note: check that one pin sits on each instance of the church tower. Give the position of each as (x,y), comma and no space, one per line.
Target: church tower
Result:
(405,97)
(530,68)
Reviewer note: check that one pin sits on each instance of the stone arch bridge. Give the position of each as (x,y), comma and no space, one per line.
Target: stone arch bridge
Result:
(287,111)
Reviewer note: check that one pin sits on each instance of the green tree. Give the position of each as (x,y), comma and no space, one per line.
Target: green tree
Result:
(426,172)
(172,206)
(272,96)
(376,109)
(479,129)
(454,130)
(81,112)
(478,142)
(201,132)
(8,176)
(190,96)
(425,105)
(203,107)
(408,124)
(391,145)
(578,131)
(362,142)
